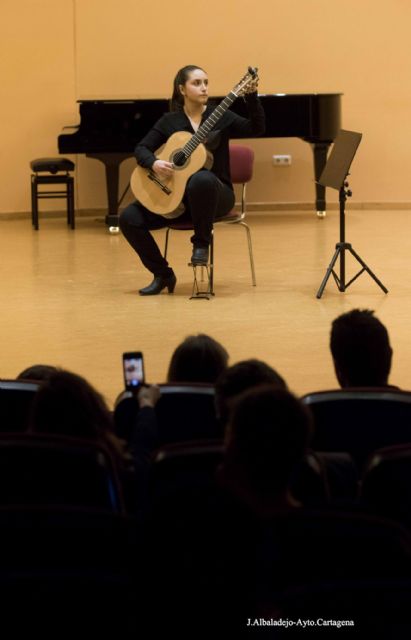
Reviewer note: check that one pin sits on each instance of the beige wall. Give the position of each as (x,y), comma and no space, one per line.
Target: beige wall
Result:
(37,92)
(56,52)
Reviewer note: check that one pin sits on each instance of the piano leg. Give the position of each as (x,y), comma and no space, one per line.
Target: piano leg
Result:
(112,162)
(320,150)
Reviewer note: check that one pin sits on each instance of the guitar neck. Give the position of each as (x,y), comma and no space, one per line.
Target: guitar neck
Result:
(209,124)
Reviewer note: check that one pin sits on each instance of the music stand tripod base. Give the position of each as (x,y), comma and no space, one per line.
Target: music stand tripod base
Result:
(199,292)
(334,175)
(341,247)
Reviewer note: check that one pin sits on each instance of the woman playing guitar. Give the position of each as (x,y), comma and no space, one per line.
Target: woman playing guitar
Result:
(208,192)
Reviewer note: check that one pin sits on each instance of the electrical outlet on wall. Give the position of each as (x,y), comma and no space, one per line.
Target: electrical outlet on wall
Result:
(281,160)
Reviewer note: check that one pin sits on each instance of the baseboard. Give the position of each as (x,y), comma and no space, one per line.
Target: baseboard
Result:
(331,206)
(80,213)
(252,207)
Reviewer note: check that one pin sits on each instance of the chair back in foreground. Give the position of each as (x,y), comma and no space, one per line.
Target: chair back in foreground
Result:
(44,470)
(189,469)
(386,483)
(16,397)
(65,570)
(179,468)
(220,559)
(359,421)
(183,412)
(362,608)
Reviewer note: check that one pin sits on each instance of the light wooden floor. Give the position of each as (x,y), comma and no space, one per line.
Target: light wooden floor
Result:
(70,298)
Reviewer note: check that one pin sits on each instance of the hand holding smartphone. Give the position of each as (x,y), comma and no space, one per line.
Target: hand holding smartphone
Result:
(133,368)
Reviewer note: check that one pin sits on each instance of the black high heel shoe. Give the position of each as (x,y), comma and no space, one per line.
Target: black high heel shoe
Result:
(159,283)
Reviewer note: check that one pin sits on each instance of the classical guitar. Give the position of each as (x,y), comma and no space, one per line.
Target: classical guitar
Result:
(187,154)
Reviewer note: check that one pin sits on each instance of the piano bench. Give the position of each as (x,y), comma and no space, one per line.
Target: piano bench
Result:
(52,171)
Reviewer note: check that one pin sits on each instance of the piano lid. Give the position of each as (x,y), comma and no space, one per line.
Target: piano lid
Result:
(115,125)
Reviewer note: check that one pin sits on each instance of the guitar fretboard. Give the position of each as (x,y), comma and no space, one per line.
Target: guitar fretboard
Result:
(209,124)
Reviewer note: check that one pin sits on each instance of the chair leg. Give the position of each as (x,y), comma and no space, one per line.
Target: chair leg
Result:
(70,203)
(68,207)
(250,251)
(211,276)
(166,243)
(34,204)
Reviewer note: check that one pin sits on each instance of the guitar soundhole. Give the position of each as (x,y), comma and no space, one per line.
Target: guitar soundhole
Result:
(179,159)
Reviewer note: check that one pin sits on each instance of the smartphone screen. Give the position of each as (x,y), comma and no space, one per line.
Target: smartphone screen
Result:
(133,367)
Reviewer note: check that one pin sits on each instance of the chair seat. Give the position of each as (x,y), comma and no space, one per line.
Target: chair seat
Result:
(181,226)
(52,165)
(231,216)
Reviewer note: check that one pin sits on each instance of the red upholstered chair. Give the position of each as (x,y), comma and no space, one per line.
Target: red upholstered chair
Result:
(241,168)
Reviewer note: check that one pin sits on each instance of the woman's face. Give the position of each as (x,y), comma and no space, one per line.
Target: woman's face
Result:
(195,89)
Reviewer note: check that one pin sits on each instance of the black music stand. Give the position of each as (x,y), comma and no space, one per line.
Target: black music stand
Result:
(334,175)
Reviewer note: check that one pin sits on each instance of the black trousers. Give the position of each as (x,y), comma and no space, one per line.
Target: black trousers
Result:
(206,199)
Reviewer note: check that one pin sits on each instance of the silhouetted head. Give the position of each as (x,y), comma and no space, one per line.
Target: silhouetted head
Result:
(360,349)
(37,372)
(240,377)
(66,404)
(177,98)
(266,439)
(198,358)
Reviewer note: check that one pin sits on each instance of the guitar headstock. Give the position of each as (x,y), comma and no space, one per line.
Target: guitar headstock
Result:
(247,84)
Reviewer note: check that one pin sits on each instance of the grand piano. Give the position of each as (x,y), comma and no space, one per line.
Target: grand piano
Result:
(109,130)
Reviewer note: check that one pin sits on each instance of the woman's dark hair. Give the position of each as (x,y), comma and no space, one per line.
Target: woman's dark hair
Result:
(198,358)
(37,372)
(267,436)
(66,404)
(177,99)
(240,377)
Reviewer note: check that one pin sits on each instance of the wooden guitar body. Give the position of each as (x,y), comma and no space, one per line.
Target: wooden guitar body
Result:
(163,196)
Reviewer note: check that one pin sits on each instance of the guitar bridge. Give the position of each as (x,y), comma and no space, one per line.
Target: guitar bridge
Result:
(162,186)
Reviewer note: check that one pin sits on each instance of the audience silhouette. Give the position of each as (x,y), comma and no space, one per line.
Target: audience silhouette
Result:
(266,440)
(199,358)
(361,349)
(37,372)
(266,433)
(68,405)
(240,377)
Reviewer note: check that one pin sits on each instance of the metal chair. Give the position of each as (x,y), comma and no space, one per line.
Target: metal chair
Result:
(241,169)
